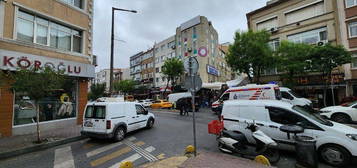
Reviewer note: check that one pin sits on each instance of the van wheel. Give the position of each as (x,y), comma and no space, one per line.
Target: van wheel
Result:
(341,118)
(150,123)
(119,134)
(335,155)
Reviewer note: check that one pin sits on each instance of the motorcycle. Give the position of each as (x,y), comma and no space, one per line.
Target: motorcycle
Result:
(236,143)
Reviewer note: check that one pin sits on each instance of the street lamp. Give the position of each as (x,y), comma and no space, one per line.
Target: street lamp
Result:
(112,48)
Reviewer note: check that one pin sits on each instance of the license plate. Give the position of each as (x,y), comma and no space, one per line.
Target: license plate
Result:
(88,124)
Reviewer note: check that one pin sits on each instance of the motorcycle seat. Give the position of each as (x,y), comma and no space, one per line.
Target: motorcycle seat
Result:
(236,136)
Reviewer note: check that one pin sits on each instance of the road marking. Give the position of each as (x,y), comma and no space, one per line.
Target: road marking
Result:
(114,155)
(133,158)
(105,148)
(141,151)
(63,158)
(161,156)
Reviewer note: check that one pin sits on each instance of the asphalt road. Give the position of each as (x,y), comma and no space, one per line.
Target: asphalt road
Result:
(169,137)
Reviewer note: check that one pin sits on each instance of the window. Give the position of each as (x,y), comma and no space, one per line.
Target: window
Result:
(305,13)
(350,3)
(354,61)
(352,27)
(157,79)
(274,44)
(283,116)
(310,37)
(59,36)
(139,109)
(286,95)
(76,3)
(162,47)
(268,24)
(95,112)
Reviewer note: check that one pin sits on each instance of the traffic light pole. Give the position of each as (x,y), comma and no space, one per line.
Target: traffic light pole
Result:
(192,74)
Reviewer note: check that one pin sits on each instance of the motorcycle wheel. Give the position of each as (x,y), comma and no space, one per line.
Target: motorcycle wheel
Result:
(272,155)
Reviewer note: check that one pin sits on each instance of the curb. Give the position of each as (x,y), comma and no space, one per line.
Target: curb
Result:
(35,148)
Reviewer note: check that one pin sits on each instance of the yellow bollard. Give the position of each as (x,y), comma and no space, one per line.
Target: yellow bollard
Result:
(262,160)
(190,149)
(126,164)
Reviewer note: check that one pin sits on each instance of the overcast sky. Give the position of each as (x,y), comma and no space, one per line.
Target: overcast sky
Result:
(157,20)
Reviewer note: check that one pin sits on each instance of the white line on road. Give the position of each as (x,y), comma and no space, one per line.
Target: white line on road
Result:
(105,148)
(134,157)
(141,151)
(64,158)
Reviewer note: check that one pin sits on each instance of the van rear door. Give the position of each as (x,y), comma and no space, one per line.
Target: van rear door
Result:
(94,119)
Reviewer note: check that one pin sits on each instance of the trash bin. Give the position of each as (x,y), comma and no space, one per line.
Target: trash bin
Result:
(306,155)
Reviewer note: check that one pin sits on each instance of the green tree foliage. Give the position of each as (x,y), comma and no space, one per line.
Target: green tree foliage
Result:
(125,86)
(328,57)
(38,83)
(293,59)
(96,91)
(172,69)
(250,53)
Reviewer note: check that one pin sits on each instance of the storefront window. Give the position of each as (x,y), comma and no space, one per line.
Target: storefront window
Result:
(59,104)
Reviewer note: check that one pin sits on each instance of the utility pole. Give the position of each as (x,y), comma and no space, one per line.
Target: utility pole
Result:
(112,48)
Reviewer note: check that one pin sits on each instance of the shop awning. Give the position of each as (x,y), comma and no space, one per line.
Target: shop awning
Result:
(213,86)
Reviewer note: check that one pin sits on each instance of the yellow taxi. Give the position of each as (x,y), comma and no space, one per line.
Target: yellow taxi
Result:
(161,104)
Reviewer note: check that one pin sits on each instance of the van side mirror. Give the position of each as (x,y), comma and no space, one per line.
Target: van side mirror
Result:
(146,111)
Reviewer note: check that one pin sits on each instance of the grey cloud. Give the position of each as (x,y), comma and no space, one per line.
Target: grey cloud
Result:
(157,20)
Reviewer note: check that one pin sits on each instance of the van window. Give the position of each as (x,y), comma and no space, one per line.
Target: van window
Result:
(139,109)
(277,93)
(95,112)
(294,94)
(286,117)
(286,95)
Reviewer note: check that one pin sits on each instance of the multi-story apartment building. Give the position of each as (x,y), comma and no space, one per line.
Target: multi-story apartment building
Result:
(199,38)
(103,76)
(226,73)
(54,33)
(163,51)
(304,21)
(135,66)
(147,68)
(348,32)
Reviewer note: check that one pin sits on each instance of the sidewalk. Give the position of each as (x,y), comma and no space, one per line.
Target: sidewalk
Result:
(205,160)
(21,144)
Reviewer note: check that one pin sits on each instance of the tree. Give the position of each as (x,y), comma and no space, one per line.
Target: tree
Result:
(96,91)
(328,57)
(172,69)
(125,86)
(293,59)
(38,83)
(250,53)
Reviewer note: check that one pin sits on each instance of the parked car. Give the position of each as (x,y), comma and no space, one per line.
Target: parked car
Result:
(345,113)
(336,143)
(115,119)
(145,103)
(161,104)
(187,101)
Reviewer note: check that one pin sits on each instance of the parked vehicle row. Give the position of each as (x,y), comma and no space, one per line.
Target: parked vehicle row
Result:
(336,143)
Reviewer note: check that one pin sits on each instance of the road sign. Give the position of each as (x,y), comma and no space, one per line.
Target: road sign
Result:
(186,65)
(189,86)
(202,51)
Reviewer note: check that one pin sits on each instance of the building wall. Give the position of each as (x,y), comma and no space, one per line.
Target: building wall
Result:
(6,109)
(161,55)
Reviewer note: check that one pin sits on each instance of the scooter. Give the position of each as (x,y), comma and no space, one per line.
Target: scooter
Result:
(236,143)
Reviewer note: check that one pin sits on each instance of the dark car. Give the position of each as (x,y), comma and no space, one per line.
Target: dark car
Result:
(187,102)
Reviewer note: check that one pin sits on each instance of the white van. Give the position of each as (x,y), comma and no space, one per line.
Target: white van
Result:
(114,119)
(289,96)
(248,92)
(336,143)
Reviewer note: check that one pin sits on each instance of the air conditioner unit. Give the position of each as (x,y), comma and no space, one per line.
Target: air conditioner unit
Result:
(173,47)
(274,29)
(321,43)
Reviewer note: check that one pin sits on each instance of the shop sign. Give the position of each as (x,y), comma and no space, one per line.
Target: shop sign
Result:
(10,60)
(212,70)
(319,79)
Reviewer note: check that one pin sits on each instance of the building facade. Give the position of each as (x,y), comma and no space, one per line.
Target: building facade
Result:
(302,21)
(163,51)
(103,76)
(347,17)
(147,69)
(135,66)
(53,33)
